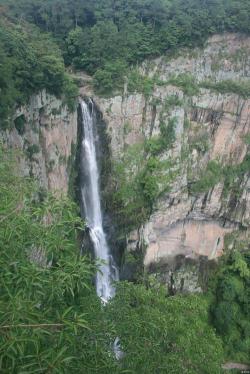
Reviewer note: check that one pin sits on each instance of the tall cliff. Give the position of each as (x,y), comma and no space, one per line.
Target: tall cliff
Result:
(180,136)
(45,132)
(204,94)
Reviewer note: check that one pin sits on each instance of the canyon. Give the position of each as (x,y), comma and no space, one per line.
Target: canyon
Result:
(189,222)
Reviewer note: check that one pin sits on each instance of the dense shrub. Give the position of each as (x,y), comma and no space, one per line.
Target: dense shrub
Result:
(50,317)
(162,334)
(229,86)
(30,62)
(100,32)
(230,306)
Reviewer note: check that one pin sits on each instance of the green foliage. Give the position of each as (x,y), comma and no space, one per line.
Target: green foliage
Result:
(131,30)
(110,78)
(234,174)
(231,175)
(199,142)
(127,199)
(230,306)
(229,86)
(154,145)
(52,321)
(149,180)
(172,101)
(103,37)
(168,132)
(140,83)
(210,177)
(186,82)
(70,93)
(127,128)
(247,139)
(162,334)
(30,62)
(49,312)
(141,177)
(94,36)
(158,144)
(186,123)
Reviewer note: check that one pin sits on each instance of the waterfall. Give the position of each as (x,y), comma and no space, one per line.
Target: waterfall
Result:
(90,194)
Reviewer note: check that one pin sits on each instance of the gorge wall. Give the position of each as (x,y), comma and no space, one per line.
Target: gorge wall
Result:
(208,192)
(45,132)
(200,98)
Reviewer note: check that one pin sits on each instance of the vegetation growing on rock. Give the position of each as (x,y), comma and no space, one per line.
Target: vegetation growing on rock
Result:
(229,86)
(30,62)
(141,176)
(104,40)
(51,318)
(230,304)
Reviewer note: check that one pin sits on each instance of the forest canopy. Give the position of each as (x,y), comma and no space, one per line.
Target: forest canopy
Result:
(30,61)
(104,37)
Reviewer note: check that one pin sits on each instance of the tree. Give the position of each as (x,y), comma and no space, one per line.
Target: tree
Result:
(111,77)
(162,334)
(30,62)
(230,307)
(50,316)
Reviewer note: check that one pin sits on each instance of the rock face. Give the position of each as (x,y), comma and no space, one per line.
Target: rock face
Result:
(201,91)
(46,133)
(212,127)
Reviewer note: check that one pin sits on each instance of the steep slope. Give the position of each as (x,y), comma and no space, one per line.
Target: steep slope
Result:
(46,132)
(205,92)
(179,141)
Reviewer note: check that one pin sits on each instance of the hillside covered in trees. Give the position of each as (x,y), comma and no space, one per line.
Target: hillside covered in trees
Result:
(51,320)
(102,38)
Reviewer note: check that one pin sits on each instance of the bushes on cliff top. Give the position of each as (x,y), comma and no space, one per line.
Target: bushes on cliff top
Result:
(30,61)
(110,78)
(96,34)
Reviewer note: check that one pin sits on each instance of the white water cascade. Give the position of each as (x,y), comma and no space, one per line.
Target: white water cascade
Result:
(107,273)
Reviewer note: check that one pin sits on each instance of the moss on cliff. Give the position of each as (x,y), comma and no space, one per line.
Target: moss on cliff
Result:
(241,88)
(229,175)
(209,178)
(186,82)
(141,176)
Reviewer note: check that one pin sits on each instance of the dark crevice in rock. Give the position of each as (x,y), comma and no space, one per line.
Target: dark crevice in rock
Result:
(205,200)
(144,114)
(153,117)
